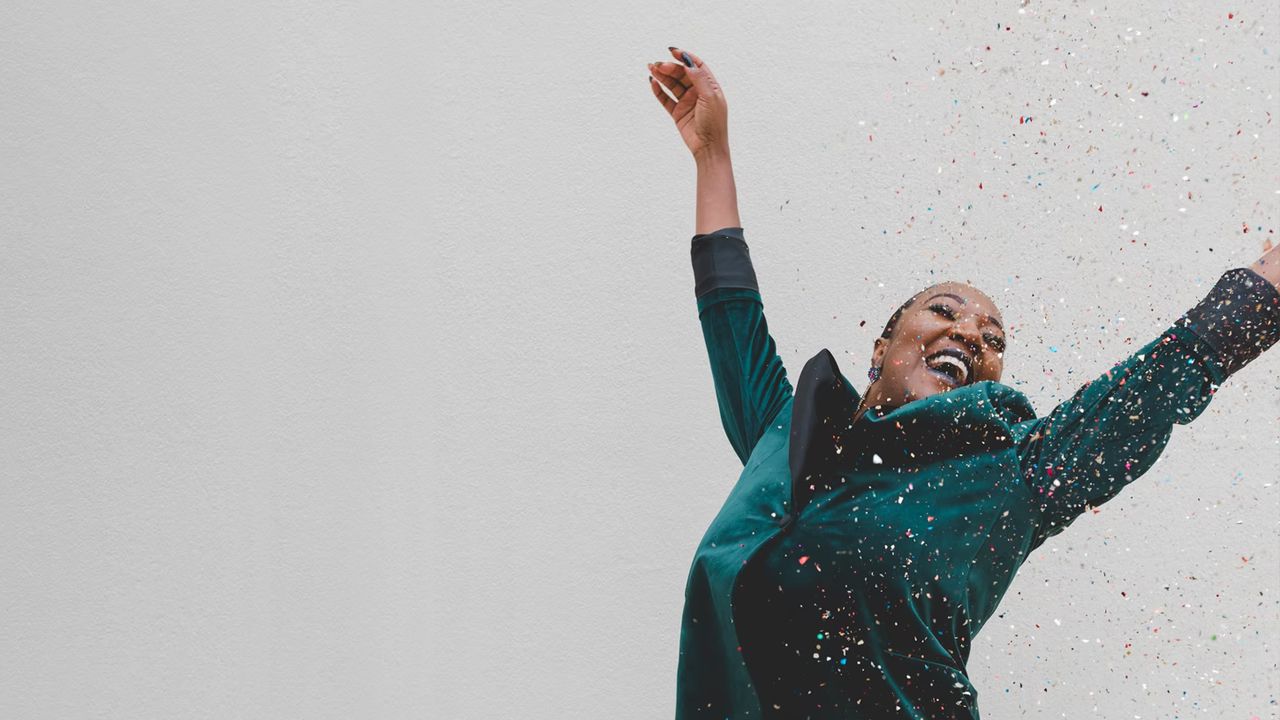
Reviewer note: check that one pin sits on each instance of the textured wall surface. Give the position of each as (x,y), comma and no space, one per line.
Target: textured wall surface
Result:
(352,367)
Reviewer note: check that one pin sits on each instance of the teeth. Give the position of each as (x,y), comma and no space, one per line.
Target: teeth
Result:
(962,373)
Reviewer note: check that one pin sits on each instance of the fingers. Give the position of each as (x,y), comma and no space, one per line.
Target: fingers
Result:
(674,71)
(670,76)
(667,102)
(679,53)
(678,79)
(665,73)
(699,74)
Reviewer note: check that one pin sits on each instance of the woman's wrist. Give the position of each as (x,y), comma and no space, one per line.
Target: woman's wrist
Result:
(1239,318)
(712,154)
(1268,266)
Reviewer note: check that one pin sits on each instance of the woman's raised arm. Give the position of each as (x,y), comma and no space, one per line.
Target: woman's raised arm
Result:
(750,380)
(1114,428)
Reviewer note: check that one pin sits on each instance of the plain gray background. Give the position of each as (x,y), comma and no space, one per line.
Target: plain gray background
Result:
(352,367)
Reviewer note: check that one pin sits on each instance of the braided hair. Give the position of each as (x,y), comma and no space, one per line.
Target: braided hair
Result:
(897,315)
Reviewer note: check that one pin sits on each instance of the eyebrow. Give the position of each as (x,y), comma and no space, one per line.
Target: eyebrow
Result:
(962,301)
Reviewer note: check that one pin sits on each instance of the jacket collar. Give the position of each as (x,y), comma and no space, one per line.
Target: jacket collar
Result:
(823,407)
(825,443)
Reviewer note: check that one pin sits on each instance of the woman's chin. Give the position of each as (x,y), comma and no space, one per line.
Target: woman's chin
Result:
(929,384)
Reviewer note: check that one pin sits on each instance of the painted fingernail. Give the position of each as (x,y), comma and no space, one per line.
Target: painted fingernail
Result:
(671,47)
(685,56)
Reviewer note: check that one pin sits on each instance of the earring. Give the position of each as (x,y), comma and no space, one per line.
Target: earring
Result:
(874,373)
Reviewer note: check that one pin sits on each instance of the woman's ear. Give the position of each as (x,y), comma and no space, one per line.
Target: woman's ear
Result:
(877,354)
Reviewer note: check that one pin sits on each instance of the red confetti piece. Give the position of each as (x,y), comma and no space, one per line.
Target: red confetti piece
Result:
(804,559)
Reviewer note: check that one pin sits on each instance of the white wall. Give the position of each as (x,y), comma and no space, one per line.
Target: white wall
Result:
(352,367)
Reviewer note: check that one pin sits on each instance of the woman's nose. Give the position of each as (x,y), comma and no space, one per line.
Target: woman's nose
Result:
(966,330)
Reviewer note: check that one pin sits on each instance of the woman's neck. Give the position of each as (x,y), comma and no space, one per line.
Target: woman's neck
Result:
(861,410)
(864,407)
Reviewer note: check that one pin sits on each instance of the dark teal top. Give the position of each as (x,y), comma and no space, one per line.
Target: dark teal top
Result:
(851,566)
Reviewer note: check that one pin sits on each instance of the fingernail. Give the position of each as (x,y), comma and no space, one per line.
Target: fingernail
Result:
(671,47)
(685,56)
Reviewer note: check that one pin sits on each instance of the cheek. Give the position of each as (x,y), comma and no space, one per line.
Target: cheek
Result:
(994,371)
(902,355)
(904,365)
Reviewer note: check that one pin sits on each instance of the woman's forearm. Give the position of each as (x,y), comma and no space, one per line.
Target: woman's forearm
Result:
(1268,266)
(717,195)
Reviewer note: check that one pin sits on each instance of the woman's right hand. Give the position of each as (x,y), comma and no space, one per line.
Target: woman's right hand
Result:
(699,110)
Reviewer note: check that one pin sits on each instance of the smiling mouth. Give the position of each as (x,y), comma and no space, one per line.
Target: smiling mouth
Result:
(952,366)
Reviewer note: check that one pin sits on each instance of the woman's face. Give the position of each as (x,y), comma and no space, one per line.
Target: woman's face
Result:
(951,336)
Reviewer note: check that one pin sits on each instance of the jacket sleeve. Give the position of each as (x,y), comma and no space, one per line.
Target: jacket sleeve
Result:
(1114,428)
(750,381)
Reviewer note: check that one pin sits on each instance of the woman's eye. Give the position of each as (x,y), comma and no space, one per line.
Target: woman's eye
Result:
(996,343)
(943,310)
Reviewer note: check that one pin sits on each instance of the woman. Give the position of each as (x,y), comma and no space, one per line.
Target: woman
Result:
(871,536)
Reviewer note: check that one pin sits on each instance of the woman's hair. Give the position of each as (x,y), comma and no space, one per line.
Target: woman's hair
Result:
(893,319)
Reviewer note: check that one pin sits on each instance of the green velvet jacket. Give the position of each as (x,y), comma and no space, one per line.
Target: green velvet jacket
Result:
(851,565)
